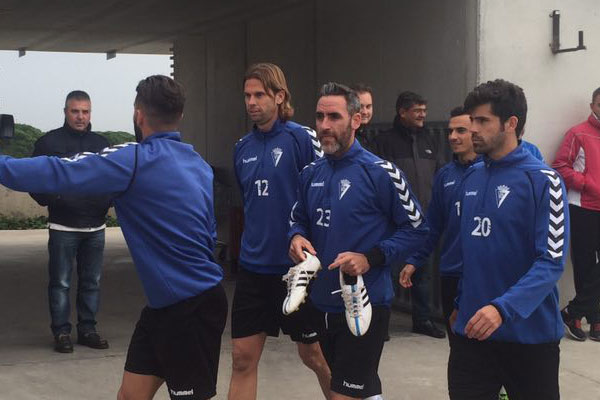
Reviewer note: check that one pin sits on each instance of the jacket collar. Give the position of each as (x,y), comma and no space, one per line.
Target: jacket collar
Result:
(478,158)
(352,152)
(275,129)
(404,130)
(594,121)
(515,156)
(72,131)
(163,135)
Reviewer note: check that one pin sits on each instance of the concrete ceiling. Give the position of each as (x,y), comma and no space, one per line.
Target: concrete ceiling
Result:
(132,26)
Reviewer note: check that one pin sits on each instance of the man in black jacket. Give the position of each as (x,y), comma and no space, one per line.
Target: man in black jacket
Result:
(76,231)
(416,152)
(366,133)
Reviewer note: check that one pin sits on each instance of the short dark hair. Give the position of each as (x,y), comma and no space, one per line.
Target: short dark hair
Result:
(77,95)
(161,98)
(408,99)
(337,89)
(595,94)
(505,98)
(456,111)
(362,88)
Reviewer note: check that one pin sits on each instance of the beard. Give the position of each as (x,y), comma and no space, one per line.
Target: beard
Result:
(331,148)
(494,143)
(340,143)
(138,132)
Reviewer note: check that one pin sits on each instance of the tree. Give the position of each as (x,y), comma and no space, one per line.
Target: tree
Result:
(21,145)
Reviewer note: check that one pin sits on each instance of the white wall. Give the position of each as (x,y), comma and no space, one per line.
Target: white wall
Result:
(514,38)
(19,205)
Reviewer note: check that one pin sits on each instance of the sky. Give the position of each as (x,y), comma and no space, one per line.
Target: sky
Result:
(33,88)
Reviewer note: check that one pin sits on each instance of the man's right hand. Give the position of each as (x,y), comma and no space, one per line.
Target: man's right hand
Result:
(297,246)
(405,275)
(452,318)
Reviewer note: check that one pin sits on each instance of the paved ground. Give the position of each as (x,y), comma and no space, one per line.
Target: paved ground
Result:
(412,367)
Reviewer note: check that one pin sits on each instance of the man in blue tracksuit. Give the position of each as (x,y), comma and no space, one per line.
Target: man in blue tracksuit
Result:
(162,192)
(267,162)
(354,212)
(513,232)
(441,219)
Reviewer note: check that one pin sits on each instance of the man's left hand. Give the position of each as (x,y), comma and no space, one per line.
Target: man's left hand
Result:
(485,322)
(351,263)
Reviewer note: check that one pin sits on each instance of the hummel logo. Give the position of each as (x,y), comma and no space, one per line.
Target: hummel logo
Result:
(353,385)
(344,186)
(471,193)
(317,184)
(276,154)
(182,392)
(502,193)
(249,160)
(449,183)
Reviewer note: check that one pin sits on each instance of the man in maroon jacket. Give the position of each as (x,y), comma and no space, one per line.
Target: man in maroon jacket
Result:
(578,161)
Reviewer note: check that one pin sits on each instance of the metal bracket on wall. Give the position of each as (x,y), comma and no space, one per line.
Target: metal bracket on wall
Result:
(555,45)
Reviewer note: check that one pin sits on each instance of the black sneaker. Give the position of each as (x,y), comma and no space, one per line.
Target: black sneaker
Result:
(595,331)
(573,326)
(428,328)
(93,340)
(62,343)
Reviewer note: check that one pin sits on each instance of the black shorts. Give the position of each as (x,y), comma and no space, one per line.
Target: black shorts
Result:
(449,291)
(257,307)
(181,344)
(353,360)
(477,370)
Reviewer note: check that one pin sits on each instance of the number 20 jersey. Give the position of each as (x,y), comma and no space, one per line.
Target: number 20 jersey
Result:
(514,236)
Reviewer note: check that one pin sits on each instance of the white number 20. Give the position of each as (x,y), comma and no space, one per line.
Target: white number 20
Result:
(483,227)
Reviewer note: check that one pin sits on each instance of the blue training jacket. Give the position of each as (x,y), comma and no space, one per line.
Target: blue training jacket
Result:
(163,198)
(442,221)
(267,166)
(356,203)
(514,236)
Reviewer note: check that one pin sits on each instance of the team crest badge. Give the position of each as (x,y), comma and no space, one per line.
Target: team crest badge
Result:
(344,186)
(276,154)
(502,193)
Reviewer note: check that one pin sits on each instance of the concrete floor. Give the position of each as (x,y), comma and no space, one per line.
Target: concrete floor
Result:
(412,366)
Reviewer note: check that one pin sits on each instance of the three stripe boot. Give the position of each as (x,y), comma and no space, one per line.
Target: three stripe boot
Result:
(356,301)
(298,278)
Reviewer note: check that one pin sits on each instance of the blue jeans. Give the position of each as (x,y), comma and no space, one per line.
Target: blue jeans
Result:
(64,249)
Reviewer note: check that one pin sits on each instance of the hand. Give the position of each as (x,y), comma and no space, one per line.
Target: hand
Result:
(405,275)
(483,323)
(452,318)
(297,245)
(351,263)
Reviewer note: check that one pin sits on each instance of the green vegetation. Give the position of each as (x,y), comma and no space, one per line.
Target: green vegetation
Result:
(117,137)
(21,145)
(40,222)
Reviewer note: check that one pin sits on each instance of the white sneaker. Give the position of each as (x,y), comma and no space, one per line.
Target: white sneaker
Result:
(297,279)
(358,306)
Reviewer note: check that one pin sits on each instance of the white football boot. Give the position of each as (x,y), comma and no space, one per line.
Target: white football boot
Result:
(358,306)
(297,279)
